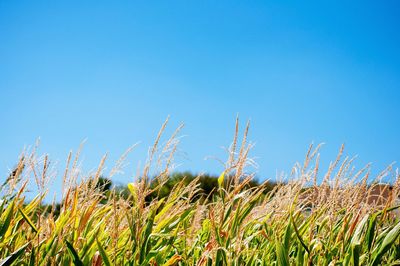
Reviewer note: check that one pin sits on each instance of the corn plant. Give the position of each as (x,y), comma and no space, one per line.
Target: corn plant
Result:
(300,222)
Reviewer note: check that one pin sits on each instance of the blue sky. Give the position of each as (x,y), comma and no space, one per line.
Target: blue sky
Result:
(112,71)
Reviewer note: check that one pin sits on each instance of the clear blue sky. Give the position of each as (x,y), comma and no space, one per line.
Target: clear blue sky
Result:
(112,71)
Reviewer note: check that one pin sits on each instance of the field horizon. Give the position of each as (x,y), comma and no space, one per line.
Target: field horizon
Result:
(163,219)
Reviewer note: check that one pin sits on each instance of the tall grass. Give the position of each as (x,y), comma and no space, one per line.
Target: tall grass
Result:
(299,223)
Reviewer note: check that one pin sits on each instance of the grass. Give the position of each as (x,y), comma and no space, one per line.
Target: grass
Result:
(298,223)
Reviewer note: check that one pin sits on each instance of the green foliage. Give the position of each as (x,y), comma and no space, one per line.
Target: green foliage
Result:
(168,231)
(184,219)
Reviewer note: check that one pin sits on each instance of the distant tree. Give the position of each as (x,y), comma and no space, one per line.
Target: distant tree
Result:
(104,184)
(208,185)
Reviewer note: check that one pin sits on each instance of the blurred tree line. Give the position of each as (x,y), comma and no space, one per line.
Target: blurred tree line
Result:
(208,185)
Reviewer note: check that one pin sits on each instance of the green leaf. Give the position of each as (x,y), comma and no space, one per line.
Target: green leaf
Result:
(146,234)
(7,219)
(32,258)
(14,256)
(387,243)
(28,220)
(356,250)
(298,234)
(103,254)
(288,234)
(356,239)
(371,231)
(357,235)
(282,255)
(90,240)
(77,261)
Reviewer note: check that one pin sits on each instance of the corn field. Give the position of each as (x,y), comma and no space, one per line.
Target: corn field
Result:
(312,219)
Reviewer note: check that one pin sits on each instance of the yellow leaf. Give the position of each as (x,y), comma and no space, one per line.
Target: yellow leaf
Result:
(173,260)
(221,179)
